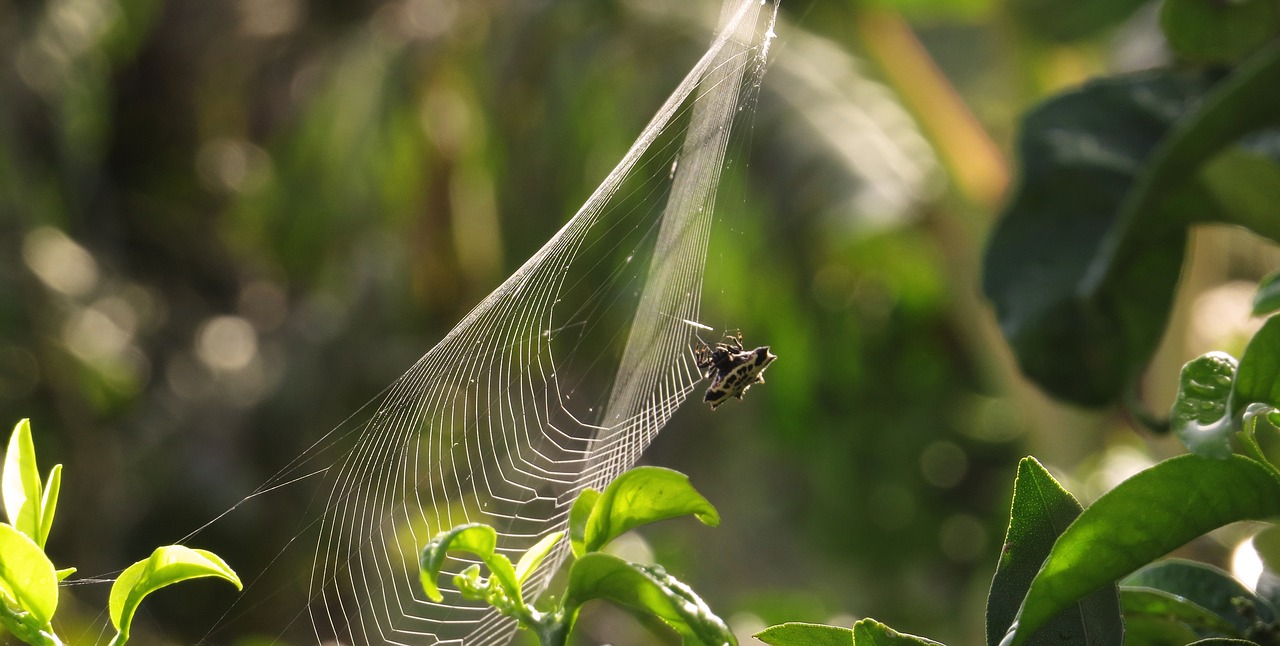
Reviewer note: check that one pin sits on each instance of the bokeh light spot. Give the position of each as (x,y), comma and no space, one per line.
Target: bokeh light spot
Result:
(1118,464)
(232,166)
(943,464)
(417,19)
(93,335)
(226,343)
(1221,317)
(266,18)
(1246,564)
(60,263)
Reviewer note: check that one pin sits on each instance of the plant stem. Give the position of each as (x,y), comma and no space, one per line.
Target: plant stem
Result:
(553,633)
(973,161)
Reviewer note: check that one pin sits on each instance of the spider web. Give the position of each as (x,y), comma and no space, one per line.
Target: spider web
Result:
(556,381)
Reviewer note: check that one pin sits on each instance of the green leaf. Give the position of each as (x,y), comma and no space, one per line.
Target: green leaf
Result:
(647,589)
(27,575)
(1268,587)
(167,565)
(1244,182)
(1267,544)
(1245,102)
(534,556)
(1041,510)
(640,496)
(1260,433)
(1218,32)
(1267,299)
(579,514)
(1063,21)
(802,634)
(869,632)
(1205,587)
(475,538)
(1143,518)
(49,503)
(21,483)
(1156,629)
(1258,378)
(25,628)
(1223,641)
(1083,264)
(1150,603)
(1082,153)
(1200,414)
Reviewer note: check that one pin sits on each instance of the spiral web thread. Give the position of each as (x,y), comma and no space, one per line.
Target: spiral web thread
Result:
(556,381)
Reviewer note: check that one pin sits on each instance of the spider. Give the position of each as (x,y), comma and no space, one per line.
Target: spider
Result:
(731,368)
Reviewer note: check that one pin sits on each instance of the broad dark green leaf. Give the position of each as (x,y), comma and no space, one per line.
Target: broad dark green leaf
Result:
(1244,183)
(647,589)
(1083,264)
(1145,602)
(166,566)
(640,496)
(1144,518)
(1258,378)
(1041,510)
(1154,629)
(1267,299)
(1244,102)
(869,632)
(1082,153)
(1070,20)
(1220,32)
(1200,414)
(1204,586)
(802,634)
(476,538)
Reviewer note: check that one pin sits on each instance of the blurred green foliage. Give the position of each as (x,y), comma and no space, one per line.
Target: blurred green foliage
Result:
(226,226)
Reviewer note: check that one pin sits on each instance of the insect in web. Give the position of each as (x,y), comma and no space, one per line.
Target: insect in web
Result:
(731,368)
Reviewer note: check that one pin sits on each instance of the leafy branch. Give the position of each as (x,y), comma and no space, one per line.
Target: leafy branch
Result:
(638,497)
(28,579)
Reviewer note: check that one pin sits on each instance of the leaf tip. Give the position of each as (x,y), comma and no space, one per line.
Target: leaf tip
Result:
(429,586)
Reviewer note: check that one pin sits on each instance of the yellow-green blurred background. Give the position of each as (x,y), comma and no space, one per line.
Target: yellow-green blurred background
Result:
(226,225)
